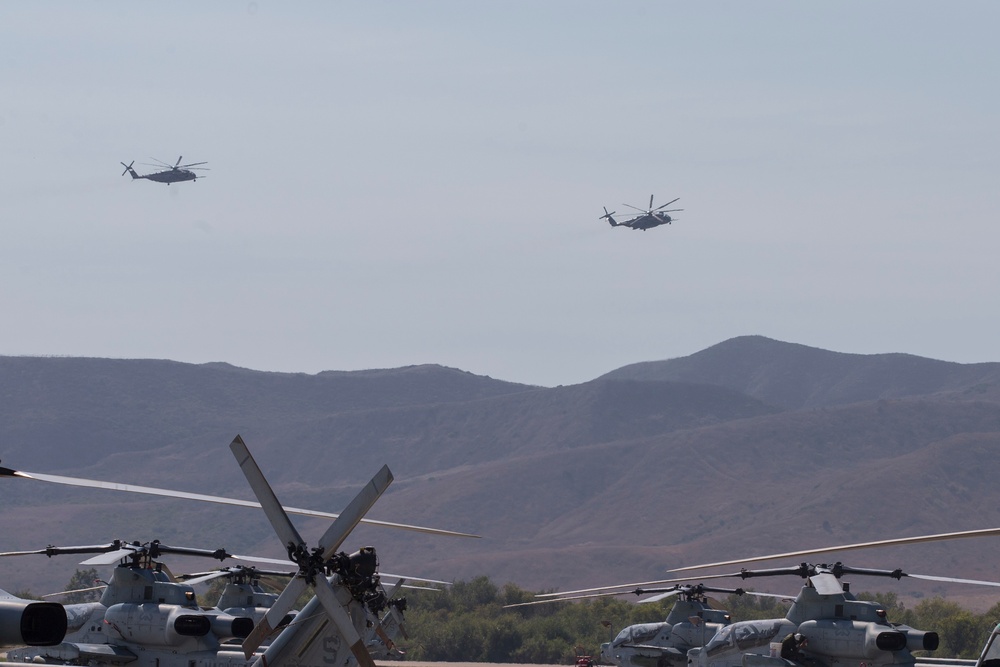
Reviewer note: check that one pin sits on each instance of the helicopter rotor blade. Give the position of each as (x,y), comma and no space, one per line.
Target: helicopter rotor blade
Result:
(641,210)
(279,521)
(975,582)
(984,532)
(274,614)
(188,166)
(152,491)
(127,167)
(179,158)
(328,598)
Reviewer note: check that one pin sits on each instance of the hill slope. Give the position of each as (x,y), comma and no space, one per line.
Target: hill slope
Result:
(796,376)
(610,481)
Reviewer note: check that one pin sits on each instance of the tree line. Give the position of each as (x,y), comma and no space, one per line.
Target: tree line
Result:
(468,622)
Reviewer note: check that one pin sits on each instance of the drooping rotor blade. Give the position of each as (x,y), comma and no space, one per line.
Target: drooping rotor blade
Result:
(658,597)
(660,582)
(984,532)
(75,590)
(153,491)
(194,580)
(406,577)
(188,166)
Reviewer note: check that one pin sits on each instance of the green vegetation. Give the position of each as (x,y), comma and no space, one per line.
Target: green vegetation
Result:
(467,622)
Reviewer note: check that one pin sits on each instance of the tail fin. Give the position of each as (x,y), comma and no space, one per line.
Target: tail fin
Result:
(129,169)
(607,216)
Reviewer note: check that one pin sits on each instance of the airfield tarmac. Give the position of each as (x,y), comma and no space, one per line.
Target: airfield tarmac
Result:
(407,663)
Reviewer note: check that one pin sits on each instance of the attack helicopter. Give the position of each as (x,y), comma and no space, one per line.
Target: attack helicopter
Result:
(651,217)
(153,622)
(839,629)
(170,173)
(141,609)
(690,623)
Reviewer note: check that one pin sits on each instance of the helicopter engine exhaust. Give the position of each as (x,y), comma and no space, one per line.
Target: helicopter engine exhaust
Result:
(226,627)
(31,623)
(917,640)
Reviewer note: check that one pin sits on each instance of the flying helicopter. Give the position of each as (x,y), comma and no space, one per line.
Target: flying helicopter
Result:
(170,173)
(651,217)
(154,622)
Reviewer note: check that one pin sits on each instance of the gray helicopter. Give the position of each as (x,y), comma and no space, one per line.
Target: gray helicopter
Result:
(169,173)
(651,217)
(150,621)
(691,622)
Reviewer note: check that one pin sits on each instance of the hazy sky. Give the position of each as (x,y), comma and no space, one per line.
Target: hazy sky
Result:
(420,182)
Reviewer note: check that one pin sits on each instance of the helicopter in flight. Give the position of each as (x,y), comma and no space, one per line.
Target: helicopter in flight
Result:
(170,173)
(147,620)
(651,217)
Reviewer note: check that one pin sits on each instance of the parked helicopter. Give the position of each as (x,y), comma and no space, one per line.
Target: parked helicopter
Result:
(691,622)
(651,217)
(171,173)
(150,621)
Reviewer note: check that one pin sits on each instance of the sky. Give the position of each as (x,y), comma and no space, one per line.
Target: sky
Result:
(398,183)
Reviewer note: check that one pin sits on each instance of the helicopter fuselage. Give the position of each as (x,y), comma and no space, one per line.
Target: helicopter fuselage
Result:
(171,176)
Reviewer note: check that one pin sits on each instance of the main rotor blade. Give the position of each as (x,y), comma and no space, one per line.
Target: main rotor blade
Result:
(650,202)
(193,164)
(221,500)
(206,577)
(109,558)
(266,625)
(406,577)
(974,582)
(179,158)
(351,516)
(341,619)
(641,210)
(56,551)
(939,537)
(289,537)
(641,584)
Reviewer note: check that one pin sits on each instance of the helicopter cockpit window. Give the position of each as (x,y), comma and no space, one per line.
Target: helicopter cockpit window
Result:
(622,637)
(645,631)
(743,636)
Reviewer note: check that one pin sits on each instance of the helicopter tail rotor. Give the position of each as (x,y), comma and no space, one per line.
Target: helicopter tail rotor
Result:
(607,216)
(128,169)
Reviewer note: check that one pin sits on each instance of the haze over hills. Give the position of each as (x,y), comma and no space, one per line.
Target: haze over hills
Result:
(749,447)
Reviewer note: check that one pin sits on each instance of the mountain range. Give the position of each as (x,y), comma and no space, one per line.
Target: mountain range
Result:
(749,447)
